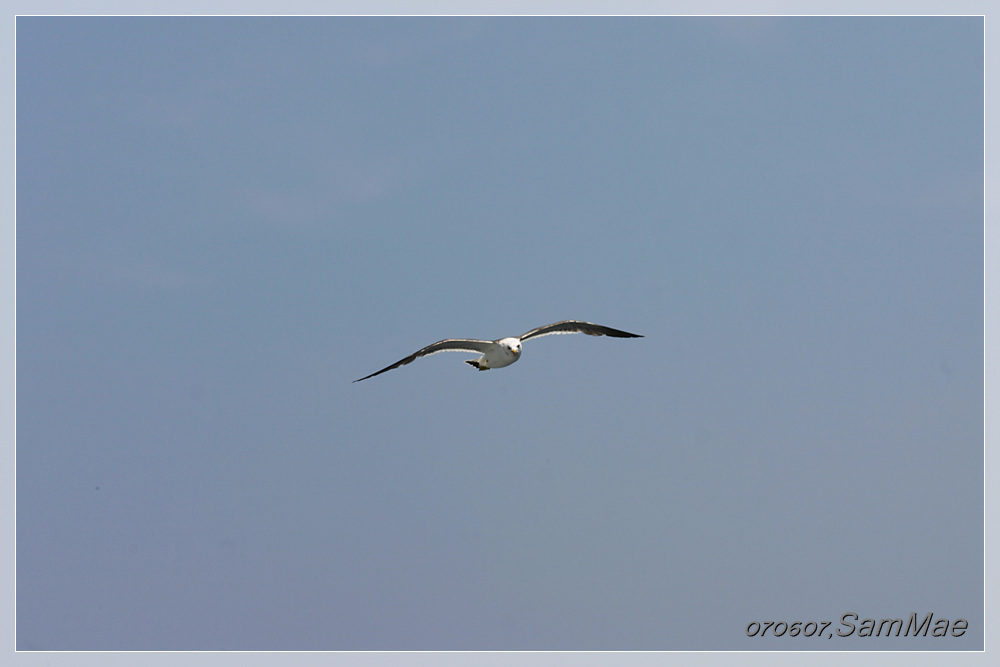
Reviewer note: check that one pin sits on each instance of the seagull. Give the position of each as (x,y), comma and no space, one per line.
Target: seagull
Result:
(504,351)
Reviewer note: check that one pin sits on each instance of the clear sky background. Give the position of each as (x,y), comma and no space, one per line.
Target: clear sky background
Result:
(223,222)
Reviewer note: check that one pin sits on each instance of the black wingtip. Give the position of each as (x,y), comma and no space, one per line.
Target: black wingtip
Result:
(615,333)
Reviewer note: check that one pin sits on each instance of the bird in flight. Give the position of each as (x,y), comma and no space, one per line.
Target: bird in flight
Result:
(504,351)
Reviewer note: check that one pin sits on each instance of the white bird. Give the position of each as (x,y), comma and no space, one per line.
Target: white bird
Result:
(504,351)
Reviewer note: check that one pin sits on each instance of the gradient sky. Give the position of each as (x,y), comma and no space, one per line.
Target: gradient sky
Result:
(223,222)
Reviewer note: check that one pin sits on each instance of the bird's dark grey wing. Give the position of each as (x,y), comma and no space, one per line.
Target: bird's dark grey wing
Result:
(448,344)
(576,326)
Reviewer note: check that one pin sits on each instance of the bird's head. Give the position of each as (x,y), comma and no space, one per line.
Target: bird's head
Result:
(512,345)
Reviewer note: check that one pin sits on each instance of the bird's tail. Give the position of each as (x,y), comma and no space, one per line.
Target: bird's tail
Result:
(475,363)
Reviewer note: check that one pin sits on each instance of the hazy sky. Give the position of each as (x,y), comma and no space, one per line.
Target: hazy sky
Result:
(221,222)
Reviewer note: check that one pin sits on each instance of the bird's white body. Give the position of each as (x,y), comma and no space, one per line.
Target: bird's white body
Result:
(504,353)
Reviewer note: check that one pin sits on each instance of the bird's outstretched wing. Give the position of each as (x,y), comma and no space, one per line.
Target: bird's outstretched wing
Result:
(576,326)
(448,344)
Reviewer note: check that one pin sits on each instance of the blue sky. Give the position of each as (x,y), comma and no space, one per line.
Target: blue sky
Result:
(222,222)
